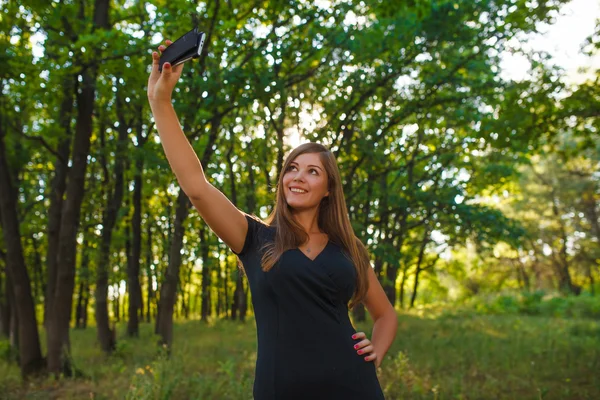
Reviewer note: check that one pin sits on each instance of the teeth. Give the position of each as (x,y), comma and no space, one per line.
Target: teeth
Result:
(298,190)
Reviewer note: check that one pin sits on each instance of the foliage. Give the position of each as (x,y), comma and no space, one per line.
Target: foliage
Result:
(449,356)
(460,182)
(533,303)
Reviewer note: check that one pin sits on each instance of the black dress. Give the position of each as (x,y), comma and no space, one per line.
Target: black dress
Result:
(305,345)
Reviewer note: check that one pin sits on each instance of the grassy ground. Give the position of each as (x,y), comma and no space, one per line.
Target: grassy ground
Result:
(452,357)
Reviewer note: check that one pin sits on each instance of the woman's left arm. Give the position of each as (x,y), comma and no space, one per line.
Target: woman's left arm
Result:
(385,319)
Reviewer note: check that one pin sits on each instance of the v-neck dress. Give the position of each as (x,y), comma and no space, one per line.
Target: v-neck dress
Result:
(305,345)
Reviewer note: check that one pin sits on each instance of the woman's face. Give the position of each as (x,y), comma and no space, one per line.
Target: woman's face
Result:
(305,182)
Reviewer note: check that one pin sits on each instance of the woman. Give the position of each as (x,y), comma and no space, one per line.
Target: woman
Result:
(305,268)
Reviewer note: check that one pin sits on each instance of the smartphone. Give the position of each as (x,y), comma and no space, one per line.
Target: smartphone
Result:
(183,49)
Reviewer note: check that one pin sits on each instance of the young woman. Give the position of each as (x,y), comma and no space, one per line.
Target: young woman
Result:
(305,268)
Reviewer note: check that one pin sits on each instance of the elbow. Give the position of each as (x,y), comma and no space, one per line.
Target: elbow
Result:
(391,316)
(197,191)
(193,195)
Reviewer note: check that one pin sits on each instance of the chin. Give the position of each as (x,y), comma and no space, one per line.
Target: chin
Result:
(301,207)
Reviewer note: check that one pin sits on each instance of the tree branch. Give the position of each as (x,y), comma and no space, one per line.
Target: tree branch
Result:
(46,146)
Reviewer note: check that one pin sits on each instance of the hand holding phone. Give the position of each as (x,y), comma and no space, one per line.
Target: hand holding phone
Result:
(185,48)
(161,84)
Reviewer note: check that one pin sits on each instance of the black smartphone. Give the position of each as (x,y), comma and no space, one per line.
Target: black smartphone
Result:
(183,49)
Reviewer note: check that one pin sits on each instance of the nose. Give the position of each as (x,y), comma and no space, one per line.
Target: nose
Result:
(299,177)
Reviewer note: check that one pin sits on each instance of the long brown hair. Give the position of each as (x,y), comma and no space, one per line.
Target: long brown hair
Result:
(332,219)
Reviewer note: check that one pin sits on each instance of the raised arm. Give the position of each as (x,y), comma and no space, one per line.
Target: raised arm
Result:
(220,214)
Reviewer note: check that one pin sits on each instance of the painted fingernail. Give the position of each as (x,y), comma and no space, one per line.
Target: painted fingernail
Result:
(366,359)
(356,346)
(360,352)
(353,336)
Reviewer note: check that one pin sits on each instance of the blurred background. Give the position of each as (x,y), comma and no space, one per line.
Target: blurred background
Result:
(466,133)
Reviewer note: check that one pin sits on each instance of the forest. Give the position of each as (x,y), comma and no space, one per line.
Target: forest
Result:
(476,193)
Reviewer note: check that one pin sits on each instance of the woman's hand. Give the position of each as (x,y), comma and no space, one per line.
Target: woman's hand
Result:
(161,85)
(365,347)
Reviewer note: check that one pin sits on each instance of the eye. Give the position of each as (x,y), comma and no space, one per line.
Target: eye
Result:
(314,170)
(290,167)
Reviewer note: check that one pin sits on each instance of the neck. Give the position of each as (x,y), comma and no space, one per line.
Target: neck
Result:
(308,219)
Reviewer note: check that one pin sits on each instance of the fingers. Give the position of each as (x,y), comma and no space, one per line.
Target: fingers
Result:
(155,74)
(162,47)
(364,346)
(155,59)
(167,70)
(177,69)
(365,350)
(166,66)
(171,73)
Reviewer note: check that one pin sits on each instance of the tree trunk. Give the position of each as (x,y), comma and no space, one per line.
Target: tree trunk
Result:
(58,187)
(124,301)
(84,310)
(402,286)
(167,242)
(206,275)
(84,276)
(13,325)
(418,270)
(30,354)
(561,261)
(238,295)
(79,307)
(391,274)
(133,267)
(149,275)
(133,270)
(219,290)
(58,326)
(82,305)
(117,303)
(38,284)
(4,306)
(523,276)
(109,219)
(225,280)
(188,294)
(239,305)
(168,290)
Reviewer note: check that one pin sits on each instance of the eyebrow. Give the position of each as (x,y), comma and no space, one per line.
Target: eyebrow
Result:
(294,162)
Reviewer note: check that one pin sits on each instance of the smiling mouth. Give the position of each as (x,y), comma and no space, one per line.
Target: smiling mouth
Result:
(298,191)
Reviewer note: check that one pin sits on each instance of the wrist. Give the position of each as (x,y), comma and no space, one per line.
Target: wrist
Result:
(159,102)
(379,351)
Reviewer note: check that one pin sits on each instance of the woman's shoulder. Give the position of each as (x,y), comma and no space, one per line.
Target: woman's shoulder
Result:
(255,220)
(258,232)
(258,227)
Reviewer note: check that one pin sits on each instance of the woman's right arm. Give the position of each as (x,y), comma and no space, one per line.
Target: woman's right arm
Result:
(224,218)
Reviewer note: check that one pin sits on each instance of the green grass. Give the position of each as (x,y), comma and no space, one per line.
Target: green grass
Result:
(447,357)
